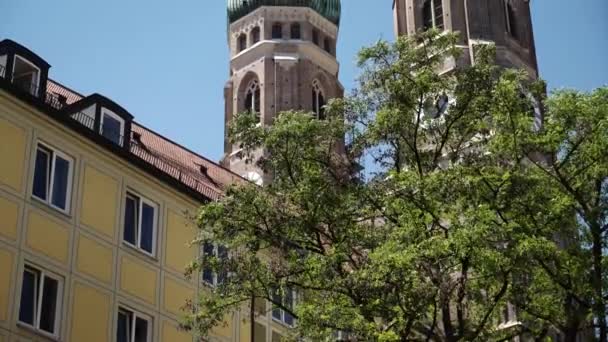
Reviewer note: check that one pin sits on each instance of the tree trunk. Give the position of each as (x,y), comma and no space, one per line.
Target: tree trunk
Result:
(599,308)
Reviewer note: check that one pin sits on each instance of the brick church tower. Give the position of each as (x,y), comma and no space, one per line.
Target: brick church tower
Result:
(505,23)
(282,57)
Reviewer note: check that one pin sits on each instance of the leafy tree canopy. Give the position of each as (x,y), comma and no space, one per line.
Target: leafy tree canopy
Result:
(473,207)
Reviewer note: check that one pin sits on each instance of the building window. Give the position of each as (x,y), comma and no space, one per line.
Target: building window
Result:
(3,60)
(40,305)
(327,45)
(318,101)
(242,42)
(26,75)
(214,251)
(510,19)
(296,31)
(252,98)
(140,223)
(287,300)
(277,31)
(53,177)
(315,36)
(112,126)
(432,12)
(255,35)
(133,327)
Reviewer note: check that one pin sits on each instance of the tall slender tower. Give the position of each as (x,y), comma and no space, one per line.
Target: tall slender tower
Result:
(505,23)
(282,57)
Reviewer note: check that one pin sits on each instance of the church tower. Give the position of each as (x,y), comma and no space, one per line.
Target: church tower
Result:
(282,57)
(505,23)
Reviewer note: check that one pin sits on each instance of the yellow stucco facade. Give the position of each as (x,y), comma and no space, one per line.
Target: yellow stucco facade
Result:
(84,247)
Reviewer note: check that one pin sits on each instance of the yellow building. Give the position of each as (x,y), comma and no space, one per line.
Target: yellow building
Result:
(94,228)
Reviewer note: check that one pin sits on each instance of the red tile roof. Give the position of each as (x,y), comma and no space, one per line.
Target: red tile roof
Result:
(197,172)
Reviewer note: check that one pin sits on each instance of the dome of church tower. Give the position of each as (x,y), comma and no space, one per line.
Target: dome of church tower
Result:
(330,9)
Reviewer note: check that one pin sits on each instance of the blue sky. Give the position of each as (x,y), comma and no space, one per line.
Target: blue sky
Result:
(167,61)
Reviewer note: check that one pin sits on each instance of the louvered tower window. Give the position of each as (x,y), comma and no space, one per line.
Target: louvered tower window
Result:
(432,12)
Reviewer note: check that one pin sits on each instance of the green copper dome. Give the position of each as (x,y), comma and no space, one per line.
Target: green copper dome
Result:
(330,9)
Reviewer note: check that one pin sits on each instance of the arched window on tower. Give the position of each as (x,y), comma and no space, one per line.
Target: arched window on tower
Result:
(277,31)
(318,100)
(296,31)
(252,98)
(255,35)
(432,13)
(315,36)
(242,42)
(510,19)
(327,45)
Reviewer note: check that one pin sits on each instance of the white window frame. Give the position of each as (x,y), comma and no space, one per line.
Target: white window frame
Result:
(51,181)
(134,316)
(39,291)
(282,319)
(104,112)
(215,275)
(37,83)
(138,236)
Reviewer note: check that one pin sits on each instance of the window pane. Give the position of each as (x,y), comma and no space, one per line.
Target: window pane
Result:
(427,13)
(249,101)
(131,217)
(276,312)
(141,330)
(207,272)
(321,107)
(289,304)
(256,98)
(111,129)
(28,297)
(277,31)
(147,227)
(295,31)
(288,318)
(222,254)
(49,305)
(255,35)
(123,330)
(41,174)
(438,14)
(60,183)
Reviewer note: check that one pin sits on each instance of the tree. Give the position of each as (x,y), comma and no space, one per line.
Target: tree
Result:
(472,211)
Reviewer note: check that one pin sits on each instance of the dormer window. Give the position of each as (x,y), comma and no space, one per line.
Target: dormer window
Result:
(112,126)
(25,70)
(104,117)
(26,75)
